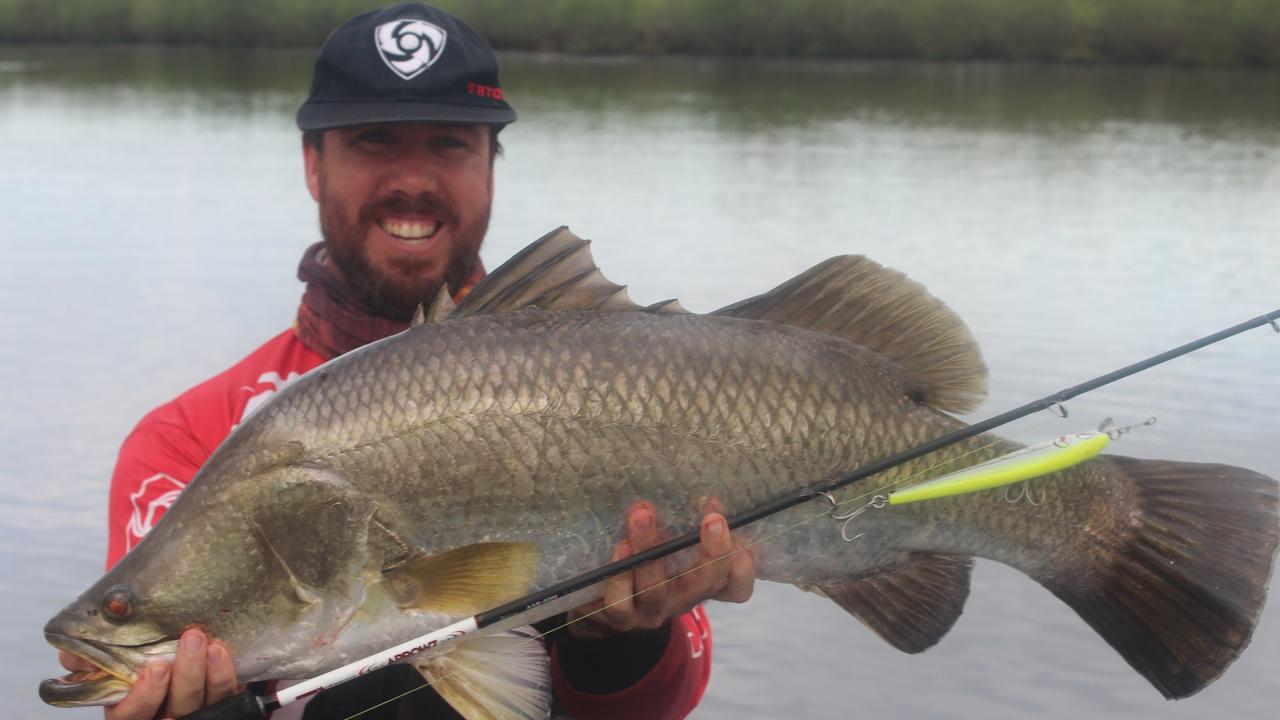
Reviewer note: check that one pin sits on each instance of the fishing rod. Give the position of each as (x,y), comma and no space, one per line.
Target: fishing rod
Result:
(251,706)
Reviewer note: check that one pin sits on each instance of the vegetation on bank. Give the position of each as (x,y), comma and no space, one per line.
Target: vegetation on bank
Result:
(1192,32)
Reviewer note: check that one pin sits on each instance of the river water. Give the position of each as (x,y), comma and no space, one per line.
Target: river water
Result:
(152,213)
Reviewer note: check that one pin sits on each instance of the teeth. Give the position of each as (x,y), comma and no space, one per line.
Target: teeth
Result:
(411,230)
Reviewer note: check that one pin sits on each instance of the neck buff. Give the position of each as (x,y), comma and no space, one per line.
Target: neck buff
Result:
(332,320)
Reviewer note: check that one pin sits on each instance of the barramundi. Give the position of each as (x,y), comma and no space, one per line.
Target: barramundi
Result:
(494,448)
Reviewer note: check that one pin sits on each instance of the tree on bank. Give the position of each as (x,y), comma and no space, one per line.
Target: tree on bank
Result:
(1187,32)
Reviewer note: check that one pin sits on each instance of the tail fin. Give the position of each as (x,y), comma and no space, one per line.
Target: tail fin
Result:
(1180,601)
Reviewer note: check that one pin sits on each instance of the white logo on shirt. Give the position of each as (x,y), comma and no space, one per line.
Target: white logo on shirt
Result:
(153,498)
(698,643)
(269,378)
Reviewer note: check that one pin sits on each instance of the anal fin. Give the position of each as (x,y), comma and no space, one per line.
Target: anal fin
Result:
(505,676)
(912,605)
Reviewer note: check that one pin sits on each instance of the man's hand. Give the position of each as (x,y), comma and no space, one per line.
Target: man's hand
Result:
(202,674)
(730,579)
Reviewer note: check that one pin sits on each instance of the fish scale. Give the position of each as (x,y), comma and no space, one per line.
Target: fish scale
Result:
(402,486)
(605,432)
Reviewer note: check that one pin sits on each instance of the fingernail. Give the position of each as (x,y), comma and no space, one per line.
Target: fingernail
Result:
(716,529)
(192,644)
(158,672)
(215,652)
(644,523)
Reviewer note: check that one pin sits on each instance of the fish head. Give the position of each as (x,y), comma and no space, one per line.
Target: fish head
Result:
(123,621)
(98,628)
(260,570)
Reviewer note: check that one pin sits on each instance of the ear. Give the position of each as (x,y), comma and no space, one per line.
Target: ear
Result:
(311,159)
(492,158)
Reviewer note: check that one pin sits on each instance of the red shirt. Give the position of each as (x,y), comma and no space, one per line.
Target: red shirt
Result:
(170,444)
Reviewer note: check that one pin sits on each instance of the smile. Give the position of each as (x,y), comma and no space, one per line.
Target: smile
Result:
(410,231)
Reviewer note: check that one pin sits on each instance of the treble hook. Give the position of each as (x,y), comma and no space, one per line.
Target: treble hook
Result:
(1115,433)
(1057,408)
(877,502)
(1024,490)
(829,498)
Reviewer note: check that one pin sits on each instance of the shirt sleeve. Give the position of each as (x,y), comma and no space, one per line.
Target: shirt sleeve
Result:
(156,462)
(668,691)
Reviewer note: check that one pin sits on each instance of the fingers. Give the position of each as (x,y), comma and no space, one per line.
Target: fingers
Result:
(618,608)
(622,609)
(220,680)
(723,571)
(202,673)
(145,697)
(711,570)
(186,690)
(643,599)
(612,613)
(741,570)
(650,579)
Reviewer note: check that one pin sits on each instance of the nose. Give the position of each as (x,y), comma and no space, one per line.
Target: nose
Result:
(413,173)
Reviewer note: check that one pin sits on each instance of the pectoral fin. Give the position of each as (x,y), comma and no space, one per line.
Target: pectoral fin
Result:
(506,676)
(465,580)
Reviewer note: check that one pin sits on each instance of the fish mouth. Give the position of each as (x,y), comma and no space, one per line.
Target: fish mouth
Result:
(106,684)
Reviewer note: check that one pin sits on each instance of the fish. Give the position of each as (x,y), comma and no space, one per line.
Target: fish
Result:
(494,447)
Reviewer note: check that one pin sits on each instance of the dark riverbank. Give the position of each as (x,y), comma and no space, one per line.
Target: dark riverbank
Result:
(1181,32)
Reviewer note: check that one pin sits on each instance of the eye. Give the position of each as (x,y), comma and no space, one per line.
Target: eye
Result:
(374,137)
(450,141)
(117,603)
(455,139)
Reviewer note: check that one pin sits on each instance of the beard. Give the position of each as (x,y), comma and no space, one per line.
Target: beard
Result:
(396,291)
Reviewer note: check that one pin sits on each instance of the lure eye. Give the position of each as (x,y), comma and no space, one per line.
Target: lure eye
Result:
(117,604)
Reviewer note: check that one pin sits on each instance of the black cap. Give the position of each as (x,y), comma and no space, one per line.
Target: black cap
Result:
(406,63)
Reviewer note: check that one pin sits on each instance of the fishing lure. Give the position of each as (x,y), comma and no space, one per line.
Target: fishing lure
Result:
(1030,462)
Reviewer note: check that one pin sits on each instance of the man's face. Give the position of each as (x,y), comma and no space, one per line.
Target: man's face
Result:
(403,208)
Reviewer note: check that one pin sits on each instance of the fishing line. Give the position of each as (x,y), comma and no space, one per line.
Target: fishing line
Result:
(695,568)
(1054,404)
(878,495)
(248,705)
(1108,425)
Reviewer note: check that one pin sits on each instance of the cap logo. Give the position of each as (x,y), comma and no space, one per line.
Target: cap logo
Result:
(409,46)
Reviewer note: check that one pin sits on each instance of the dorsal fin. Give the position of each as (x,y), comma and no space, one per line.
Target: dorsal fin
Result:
(556,272)
(441,307)
(856,299)
(667,307)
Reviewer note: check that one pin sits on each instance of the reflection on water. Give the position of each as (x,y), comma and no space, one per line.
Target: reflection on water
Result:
(740,95)
(1078,218)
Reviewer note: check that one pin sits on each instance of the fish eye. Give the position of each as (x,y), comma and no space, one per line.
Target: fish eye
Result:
(117,603)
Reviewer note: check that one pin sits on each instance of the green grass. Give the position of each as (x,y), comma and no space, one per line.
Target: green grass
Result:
(1188,32)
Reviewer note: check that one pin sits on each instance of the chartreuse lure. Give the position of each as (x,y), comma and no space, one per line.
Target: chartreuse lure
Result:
(1025,464)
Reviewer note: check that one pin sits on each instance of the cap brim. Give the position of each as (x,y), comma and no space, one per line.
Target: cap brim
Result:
(326,116)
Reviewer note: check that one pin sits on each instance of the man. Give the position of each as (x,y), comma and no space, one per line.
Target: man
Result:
(399,140)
